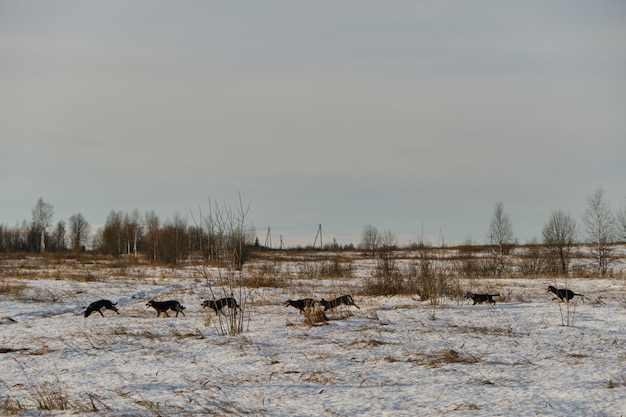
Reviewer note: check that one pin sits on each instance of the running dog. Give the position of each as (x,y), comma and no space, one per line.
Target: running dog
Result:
(163,306)
(563,294)
(482,298)
(301,304)
(344,299)
(99,305)
(218,305)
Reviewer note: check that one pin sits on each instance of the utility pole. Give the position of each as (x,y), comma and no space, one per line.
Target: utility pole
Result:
(319,233)
(268,239)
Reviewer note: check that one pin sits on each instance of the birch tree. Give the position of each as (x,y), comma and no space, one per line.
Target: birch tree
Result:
(42,218)
(501,237)
(79,232)
(601,230)
(559,237)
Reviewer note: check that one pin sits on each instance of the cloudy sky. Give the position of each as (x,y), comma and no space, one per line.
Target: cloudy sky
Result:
(412,116)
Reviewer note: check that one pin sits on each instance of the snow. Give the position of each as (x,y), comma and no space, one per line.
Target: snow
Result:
(394,356)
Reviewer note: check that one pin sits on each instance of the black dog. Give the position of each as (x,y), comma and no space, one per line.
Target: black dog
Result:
(344,299)
(163,306)
(218,305)
(99,305)
(564,294)
(301,304)
(482,298)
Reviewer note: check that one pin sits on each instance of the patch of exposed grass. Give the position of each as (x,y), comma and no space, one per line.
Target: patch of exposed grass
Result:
(11,288)
(318,377)
(264,280)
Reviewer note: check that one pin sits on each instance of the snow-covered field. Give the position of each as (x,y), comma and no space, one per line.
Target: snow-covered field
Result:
(394,356)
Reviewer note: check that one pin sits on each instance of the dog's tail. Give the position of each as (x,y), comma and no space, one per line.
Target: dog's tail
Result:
(182,307)
(582,297)
(495,295)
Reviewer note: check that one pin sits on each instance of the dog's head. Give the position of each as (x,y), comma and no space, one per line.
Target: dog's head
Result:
(88,311)
(469,295)
(150,303)
(206,303)
(551,289)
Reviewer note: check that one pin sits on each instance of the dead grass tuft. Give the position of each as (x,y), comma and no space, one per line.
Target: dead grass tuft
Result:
(12,288)
(449,356)
(264,281)
(318,377)
(314,316)
(50,395)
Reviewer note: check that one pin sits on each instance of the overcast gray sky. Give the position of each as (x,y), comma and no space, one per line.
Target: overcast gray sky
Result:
(411,116)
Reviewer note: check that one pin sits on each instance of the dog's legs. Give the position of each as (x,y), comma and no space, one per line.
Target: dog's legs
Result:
(100,313)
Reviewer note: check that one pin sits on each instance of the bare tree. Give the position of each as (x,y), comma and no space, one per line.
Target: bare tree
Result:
(112,235)
(42,218)
(79,232)
(388,242)
(174,241)
(559,236)
(621,224)
(58,236)
(370,240)
(152,235)
(501,237)
(133,232)
(601,229)
(229,241)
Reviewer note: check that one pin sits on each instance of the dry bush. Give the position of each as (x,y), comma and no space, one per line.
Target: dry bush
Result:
(385,285)
(10,407)
(449,356)
(11,404)
(319,377)
(434,280)
(47,295)
(313,316)
(264,281)
(307,269)
(50,395)
(12,288)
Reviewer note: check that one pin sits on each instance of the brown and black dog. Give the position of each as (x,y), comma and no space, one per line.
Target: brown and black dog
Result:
(482,298)
(344,299)
(301,304)
(163,306)
(99,305)
(564,294)
(218,305)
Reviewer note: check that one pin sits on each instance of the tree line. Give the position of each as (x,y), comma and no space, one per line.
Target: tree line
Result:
(222,231)
(131,234)
(602,229)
